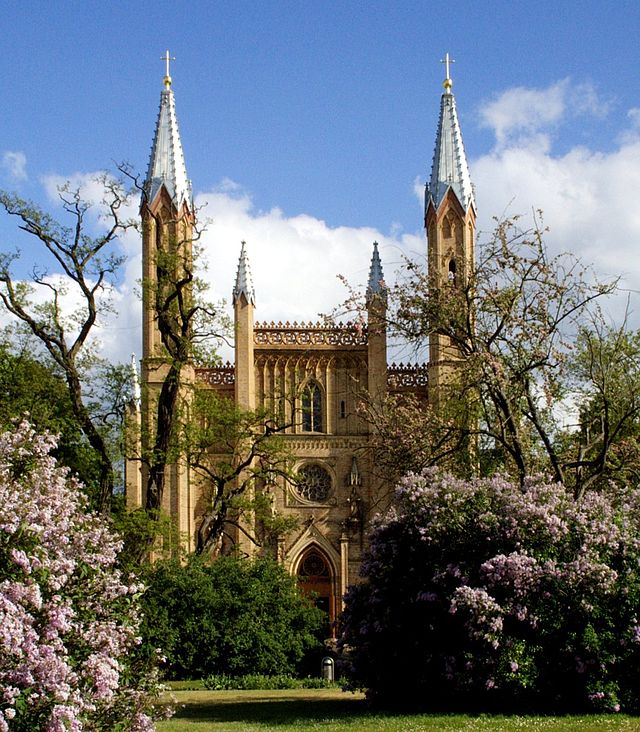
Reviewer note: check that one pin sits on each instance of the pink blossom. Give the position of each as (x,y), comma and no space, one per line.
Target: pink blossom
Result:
(68,619)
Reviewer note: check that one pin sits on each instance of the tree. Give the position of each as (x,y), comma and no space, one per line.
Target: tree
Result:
(29,387)
(411,434)
(68,619)
(606,373)
(239,455)
(230,616)
(511,328)
(174,298)
(476,595)
(85,267)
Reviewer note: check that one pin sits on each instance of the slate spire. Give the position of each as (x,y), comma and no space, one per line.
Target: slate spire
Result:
(244,282)
(376,284)
(166,162)
(449,169)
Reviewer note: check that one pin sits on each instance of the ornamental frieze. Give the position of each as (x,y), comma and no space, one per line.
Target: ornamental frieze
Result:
(309,334)
(217,375)
(409,376)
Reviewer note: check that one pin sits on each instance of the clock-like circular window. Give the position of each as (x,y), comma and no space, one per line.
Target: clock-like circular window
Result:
(315,483)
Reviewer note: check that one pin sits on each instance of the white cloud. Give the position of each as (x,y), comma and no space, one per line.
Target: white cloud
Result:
(589,198)
(295,261)
(15,163)
(523,112)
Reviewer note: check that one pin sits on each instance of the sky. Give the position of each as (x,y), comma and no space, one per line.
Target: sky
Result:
(308,128)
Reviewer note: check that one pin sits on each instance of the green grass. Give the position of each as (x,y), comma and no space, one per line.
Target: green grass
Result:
(328,710)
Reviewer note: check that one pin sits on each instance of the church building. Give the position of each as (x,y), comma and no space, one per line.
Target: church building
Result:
(328,369)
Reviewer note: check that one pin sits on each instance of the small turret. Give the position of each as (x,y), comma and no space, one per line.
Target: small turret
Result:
(244,301)
(244,282)
(133,440)
(376,285)
(376,329)
(135,383)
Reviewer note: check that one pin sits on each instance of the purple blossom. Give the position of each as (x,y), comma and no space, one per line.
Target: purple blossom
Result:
(68,620)
(517,590)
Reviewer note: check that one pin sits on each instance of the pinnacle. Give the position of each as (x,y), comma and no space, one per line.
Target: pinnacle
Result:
(244,281)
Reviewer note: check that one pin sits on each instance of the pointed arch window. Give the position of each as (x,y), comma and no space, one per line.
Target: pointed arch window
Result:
(312,408)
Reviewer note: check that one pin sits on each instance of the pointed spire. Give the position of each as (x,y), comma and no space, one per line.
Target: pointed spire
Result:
(166,163)
(244,283)
(135,382)
(376,285)
(449,169)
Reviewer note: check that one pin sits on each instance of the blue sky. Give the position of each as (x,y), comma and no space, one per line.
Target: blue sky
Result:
(308,126)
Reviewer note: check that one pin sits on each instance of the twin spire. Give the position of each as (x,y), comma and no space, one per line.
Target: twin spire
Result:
(449,170)
(166,162)
(244,280)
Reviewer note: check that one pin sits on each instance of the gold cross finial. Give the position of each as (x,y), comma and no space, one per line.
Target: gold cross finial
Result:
(167,59)
(447,60)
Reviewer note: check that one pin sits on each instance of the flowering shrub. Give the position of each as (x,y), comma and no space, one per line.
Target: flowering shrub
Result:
(68,620)
(476,594)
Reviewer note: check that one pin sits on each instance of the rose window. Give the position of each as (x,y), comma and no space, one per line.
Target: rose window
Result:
(315,483)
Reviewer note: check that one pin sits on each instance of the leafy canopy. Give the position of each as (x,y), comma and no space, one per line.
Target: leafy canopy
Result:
(227,616)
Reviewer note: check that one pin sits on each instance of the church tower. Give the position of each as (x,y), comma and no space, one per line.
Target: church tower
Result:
(168,219)
(450,223)
(166,211)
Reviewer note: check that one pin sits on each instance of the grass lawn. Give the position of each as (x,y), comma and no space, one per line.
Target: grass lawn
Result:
(335,711)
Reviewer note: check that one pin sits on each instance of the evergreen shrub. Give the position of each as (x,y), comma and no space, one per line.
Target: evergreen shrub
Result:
(227,616)
(250,682)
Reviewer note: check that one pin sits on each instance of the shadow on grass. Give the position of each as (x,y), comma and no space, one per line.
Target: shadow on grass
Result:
(275,711)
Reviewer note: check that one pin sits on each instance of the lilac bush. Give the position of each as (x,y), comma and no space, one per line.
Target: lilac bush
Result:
(479,595)
(68,619)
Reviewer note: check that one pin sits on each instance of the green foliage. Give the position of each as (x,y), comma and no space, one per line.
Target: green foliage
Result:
(140,530)
(251,682)
(228,616)
(30,387)
(239,454)
(606,368)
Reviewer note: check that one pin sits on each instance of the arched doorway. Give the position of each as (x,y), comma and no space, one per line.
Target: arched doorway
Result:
(316,580)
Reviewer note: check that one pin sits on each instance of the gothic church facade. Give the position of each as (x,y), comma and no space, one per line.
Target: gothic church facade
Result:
(327,369)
